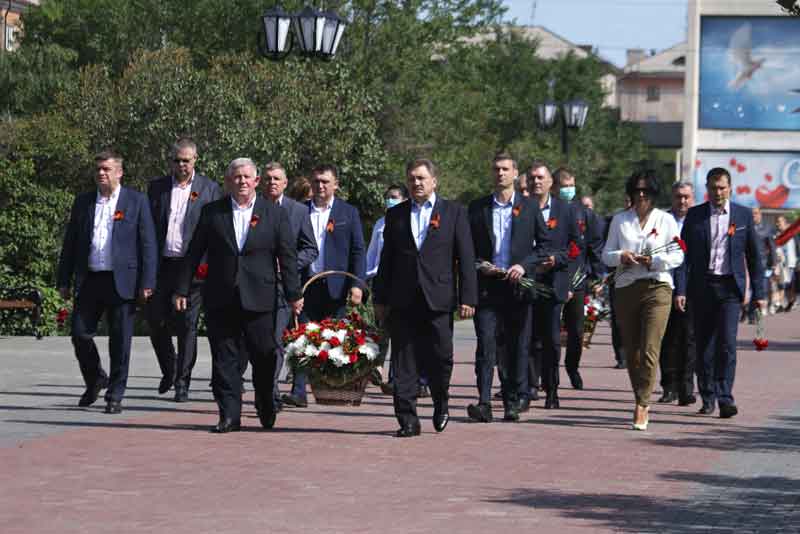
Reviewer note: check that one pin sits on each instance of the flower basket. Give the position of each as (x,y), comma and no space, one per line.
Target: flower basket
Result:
(338,355)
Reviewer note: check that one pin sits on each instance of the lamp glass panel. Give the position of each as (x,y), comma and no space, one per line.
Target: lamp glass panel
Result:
(547,114)
(319,29)
(339,32)
(283,32)
(329,35)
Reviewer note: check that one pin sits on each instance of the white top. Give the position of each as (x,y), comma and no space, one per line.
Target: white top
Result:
(100,249)
(375,248)
(319,222)
(178,202)
(421,219)
(626,234)
(242,218)
(718,253)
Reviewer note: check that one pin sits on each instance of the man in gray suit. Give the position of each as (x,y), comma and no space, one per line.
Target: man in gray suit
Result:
(176,201)
(300,224)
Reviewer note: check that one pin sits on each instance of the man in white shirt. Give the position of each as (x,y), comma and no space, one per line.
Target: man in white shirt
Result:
(109,253)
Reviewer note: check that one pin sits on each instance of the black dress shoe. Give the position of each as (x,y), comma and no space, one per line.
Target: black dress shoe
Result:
(668,397)
(441,416)
(552,400)
(267,418)
(534,394)
(90,395)
(575,379)
(510,412)
(726,411)
(498,395)
(480,413)
(294,401)
(409,431)
(226,425)
(687,400)
(524,405)
(387,388)
(113,407)
(165,384)
(181,394)
(707,408)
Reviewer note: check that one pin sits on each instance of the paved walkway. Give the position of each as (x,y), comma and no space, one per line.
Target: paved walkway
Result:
(156,468)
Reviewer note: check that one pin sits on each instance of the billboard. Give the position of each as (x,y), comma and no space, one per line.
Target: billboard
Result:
(749,73)
(765,179)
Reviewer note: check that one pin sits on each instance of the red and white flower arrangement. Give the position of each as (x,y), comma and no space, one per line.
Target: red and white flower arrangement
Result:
(334,351)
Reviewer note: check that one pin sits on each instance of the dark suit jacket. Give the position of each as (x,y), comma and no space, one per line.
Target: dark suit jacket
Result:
(252,270)
(133,244)
(743,249)
(446,251)
(530,239)
(159,192)
(300,225)
(344,248)
(562,228)
(590,240)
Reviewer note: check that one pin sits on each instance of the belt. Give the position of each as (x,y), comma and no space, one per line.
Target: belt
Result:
(712,276)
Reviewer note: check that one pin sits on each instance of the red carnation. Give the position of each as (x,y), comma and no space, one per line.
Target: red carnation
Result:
(61,316)
(353,357)
(118,215)
(330,226)
(193,196)
(254,220)
(586,299)
(573,251)
(435,221)
(360,338)
(760,343)
(202,271)
(335,342)
(323,355)
(681,243)
(654,232)
(552,223)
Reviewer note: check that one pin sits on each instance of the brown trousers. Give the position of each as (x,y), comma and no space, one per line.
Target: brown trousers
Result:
(642,310)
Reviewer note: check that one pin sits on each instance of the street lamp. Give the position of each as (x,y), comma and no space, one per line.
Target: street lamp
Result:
(318,33)
(573,115)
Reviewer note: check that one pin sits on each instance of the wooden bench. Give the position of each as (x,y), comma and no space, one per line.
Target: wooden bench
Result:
(25,299)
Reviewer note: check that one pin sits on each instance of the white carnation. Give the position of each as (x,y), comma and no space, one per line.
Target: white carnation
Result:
(312,327)
(370,350)
(310,351)
(328,333)
(341,334)
(337,357)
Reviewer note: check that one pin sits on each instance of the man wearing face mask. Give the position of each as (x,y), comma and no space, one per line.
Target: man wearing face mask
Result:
(590,243)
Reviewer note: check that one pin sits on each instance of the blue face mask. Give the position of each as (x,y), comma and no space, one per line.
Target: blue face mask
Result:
(392,202)
(566,193)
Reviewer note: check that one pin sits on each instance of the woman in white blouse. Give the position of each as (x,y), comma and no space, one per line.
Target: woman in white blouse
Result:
(641,246)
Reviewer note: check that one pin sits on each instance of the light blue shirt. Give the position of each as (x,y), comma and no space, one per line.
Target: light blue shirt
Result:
(421,219)
(501,227)
(546,209)
(375,248)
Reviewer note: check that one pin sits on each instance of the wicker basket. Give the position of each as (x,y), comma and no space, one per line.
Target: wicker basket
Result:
(346,395)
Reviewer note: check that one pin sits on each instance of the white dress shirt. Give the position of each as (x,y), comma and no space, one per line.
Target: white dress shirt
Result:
(178,203)
(375,247)
(718,253)
(546,209)
(100,258)
(319,222)
(501,227)
(625,233)
(421,219)
(242,216)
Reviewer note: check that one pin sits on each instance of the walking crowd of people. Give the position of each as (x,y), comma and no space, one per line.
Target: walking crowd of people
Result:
(520,262)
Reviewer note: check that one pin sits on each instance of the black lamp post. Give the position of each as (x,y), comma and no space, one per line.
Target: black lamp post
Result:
(573,115)
(318,33)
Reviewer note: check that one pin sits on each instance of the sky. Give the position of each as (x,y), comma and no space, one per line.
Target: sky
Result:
(610,25)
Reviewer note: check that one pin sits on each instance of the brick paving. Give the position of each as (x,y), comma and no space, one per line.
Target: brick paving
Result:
(156,468)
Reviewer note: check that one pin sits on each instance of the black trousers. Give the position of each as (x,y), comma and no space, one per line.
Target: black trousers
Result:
(97,296)
(317,306)
(503,329)
(678,353)
(573,319)
(229,329)
(422,340)
(164,321)
(546,347)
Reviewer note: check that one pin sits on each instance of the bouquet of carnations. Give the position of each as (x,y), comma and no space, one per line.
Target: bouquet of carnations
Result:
(538,288)
(335,352)
(672,246)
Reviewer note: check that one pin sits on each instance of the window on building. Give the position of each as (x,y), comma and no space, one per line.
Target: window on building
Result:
(653,93)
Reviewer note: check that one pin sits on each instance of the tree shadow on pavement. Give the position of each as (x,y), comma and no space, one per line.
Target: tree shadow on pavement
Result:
(782,437)
(716,503)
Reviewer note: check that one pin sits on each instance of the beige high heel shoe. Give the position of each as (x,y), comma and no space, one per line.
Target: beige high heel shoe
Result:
(641,417)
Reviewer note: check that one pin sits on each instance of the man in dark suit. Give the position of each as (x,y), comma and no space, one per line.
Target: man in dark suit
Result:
(340,241)
(109,252)
(677,358)
(557,272)
(300,224)
(176,202)
(246,239)
(720,239)
(507,231)
(590,244)
(427,268)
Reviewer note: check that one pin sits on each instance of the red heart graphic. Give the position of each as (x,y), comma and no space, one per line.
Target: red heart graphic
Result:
(741,168)
(768,177)
(733,162)
(698,163)
(772,199)
(743,190)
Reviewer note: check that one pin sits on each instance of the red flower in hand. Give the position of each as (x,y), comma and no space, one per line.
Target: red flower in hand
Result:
(202,271)
(516,211)
(582,226)
(586,299)
(731,230)
(193,196)
(760,343)
(254,220)
(118,215)
(552,223)
(435,220)
(681,243)
(654,232)
(61,316)
(573,251)
(329,227)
